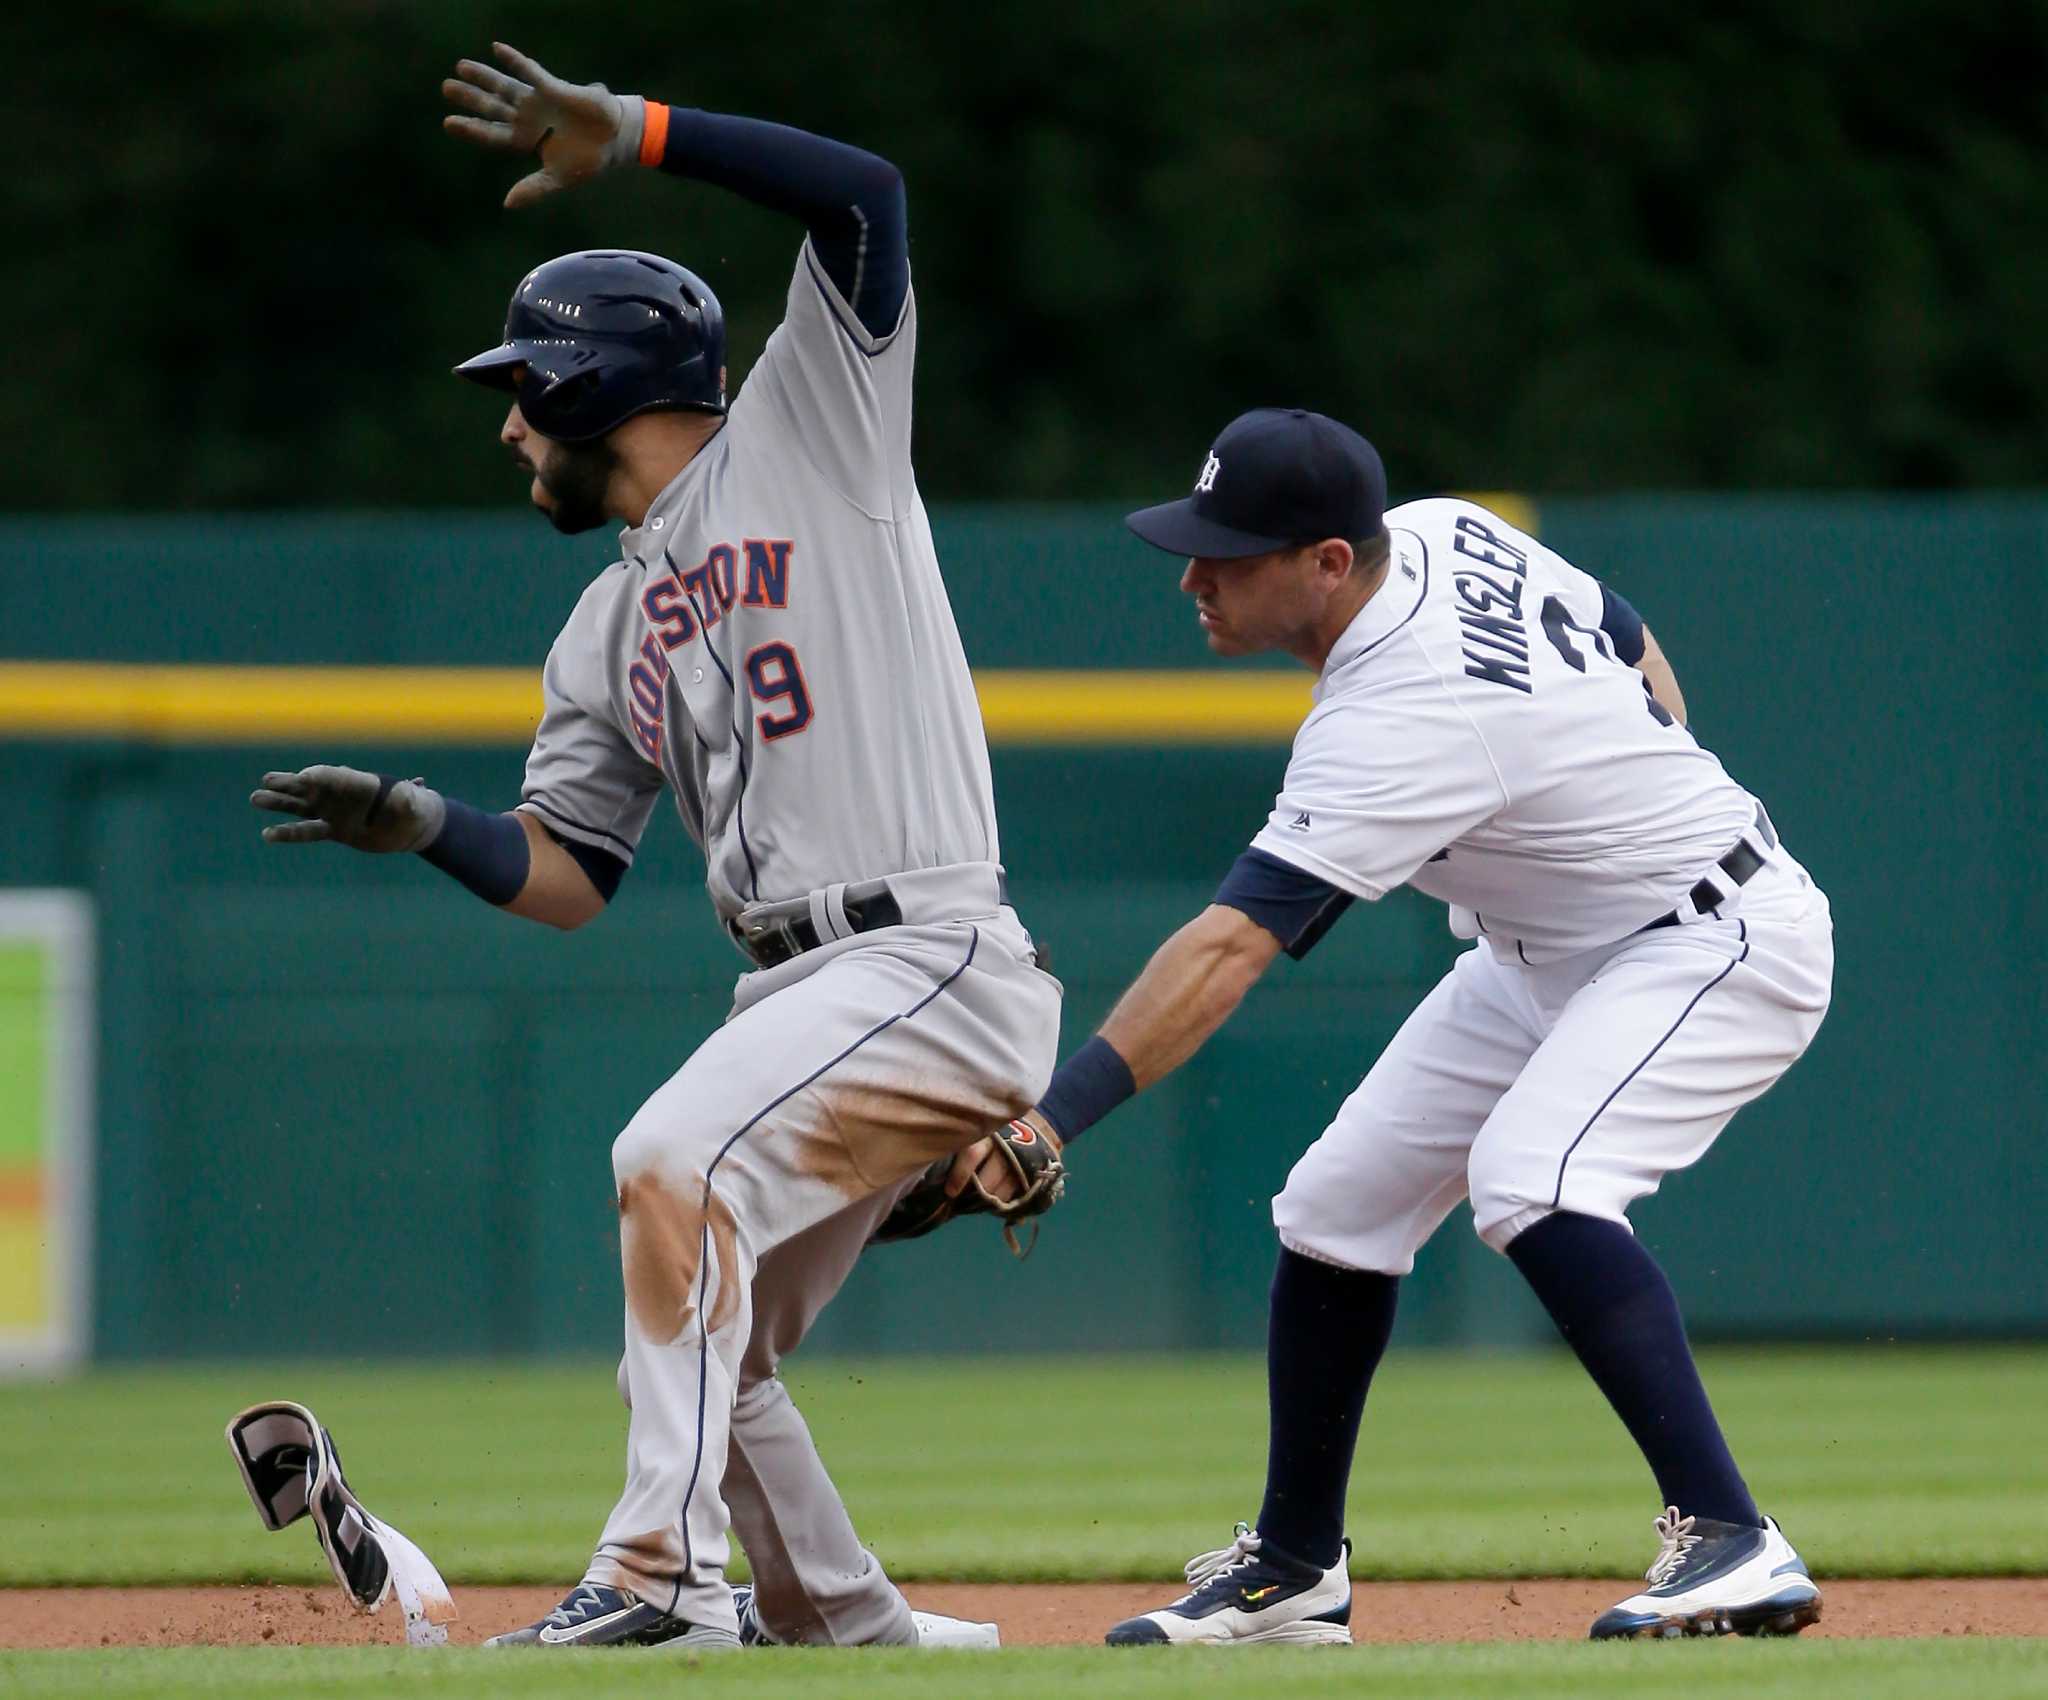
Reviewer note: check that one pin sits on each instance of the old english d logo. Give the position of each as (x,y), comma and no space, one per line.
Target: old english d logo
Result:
(1205,480)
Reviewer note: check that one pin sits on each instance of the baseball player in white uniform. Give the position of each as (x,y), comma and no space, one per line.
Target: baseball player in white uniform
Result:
(1498,730)
(774,648)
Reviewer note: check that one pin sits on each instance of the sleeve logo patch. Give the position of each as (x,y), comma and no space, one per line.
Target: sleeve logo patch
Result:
(1300,823)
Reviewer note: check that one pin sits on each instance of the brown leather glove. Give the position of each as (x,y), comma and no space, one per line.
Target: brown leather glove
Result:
(1015,1175)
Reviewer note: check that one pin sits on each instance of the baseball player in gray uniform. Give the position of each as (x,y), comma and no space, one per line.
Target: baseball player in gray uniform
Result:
(773,648)
(1498,730)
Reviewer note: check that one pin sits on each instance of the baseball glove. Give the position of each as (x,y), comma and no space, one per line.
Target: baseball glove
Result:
(1039,1178)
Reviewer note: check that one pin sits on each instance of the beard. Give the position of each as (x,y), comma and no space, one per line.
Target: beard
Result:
(578,478)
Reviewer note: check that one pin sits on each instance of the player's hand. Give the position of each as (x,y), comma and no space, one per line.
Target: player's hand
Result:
(527,109)
(1015,1175)
(983,1165)
(348,806)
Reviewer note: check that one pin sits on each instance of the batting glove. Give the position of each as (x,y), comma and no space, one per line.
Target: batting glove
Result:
(365,811)
(576,129)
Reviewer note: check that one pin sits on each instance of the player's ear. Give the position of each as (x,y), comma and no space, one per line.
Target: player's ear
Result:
(1334,556)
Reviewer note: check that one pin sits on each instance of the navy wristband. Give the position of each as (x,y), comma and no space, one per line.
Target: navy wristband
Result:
(487,853)
(1085,1088)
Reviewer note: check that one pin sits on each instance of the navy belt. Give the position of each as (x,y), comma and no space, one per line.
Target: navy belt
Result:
(1740,866)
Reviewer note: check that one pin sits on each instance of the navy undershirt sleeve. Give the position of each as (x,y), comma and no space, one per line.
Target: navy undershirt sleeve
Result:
(603,869)
(851,201)
(1622,624)
(1295,907)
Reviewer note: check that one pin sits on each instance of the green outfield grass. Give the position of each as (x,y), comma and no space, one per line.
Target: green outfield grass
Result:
(1881,1462)
(1868,1670)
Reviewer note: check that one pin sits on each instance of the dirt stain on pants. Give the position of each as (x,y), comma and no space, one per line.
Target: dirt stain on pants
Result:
(872,1133)
(663,1228)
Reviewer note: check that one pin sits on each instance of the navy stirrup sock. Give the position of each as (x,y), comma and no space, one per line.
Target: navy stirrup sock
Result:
(1329,1330)
(1617,1311)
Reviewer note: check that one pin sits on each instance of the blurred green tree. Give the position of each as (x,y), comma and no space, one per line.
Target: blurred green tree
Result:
(1585,246)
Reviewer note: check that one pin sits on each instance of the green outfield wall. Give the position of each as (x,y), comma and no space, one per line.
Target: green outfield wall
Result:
(343,1106)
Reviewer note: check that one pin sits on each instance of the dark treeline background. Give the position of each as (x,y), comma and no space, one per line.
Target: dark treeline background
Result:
(1587,245)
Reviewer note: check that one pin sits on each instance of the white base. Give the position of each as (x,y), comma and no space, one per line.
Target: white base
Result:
(954,1632)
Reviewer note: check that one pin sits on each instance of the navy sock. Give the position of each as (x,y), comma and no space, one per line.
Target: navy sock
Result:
(1328,1331)
(1617,1311)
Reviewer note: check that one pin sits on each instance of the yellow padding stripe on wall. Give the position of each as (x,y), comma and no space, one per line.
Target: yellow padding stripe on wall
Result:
(50,701)
(1216,707)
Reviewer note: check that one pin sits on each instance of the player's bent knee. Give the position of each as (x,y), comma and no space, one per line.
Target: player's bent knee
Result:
(1505,1207)
(655,1142)
(1506,1203)
(1318,1228)
(636,1151)
(1304,1220)
(1500,1233)
(1344,1258)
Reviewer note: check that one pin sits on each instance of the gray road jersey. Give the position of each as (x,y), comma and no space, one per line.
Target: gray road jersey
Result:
(776,645)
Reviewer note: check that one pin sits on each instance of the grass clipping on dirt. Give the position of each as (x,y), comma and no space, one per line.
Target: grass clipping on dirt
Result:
(1879,1461)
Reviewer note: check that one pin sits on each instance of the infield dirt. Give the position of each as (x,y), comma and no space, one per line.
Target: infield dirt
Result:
(1030,1615)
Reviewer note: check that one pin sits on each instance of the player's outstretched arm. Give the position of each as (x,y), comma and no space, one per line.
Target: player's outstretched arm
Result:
(851,201)
(1193,983)
(511,860)
(1265,905)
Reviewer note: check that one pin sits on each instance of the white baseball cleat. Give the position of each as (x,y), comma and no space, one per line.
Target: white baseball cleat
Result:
(932,1629)
(1249,1592)
(1714,1578)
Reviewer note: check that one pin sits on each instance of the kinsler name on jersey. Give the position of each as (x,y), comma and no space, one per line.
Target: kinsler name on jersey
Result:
(682,605)
(1496,645)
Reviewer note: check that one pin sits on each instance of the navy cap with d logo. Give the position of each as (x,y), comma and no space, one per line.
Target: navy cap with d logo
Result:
(1277,476)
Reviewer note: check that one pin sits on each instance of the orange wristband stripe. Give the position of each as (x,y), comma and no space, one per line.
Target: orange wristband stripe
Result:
(654,133)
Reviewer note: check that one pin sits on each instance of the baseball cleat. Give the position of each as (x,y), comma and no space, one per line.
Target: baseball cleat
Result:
(751,1632)
(1716,1579)
(932,1629)
(1248,1592)
(595,1616)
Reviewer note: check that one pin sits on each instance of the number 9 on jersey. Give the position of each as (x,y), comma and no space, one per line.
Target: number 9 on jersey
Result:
(776,679)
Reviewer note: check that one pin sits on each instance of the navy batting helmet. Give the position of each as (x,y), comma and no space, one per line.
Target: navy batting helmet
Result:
(593,338)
